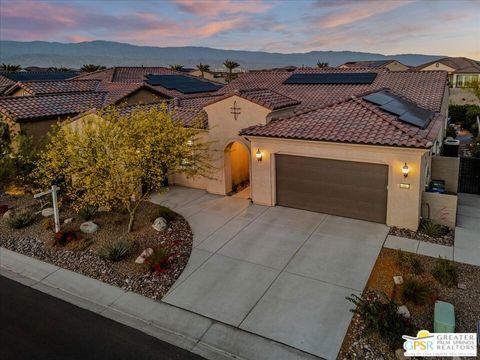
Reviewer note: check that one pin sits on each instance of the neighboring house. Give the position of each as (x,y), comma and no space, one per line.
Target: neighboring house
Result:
(461,71)
(7,79)
(328,140)
(218,76)
(392,65)
(32,88)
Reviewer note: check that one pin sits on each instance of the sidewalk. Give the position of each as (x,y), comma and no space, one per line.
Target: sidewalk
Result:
(195,333)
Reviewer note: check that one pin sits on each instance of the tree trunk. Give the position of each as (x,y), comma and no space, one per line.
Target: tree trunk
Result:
(131,220)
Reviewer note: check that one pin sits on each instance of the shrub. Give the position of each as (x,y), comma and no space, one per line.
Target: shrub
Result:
(115,250)
(159,260)
(88,212)
(401,258)
(451,132)
(474,147)
(21,219)
(67,236)
(428,227)
(445,272)
(381,316)
(465,115)
(166,213)
(416,265)
(415,291)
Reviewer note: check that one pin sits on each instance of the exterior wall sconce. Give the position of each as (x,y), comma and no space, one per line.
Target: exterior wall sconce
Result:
(258,155)
(405,170)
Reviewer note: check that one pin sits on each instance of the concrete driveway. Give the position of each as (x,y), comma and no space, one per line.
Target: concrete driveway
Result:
(277,272)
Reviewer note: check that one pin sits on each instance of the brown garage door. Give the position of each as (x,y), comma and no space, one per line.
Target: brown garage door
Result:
(344,188)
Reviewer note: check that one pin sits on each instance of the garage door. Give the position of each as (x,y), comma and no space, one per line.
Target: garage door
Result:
(345,188)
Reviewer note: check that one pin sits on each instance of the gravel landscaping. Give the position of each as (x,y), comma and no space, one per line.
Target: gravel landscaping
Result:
(358,345)
(82,255)
(447,237)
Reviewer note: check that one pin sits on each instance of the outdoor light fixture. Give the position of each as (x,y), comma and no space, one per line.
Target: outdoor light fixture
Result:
(405,170)
(258,155)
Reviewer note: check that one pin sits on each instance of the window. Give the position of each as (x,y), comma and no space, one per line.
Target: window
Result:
(466,80)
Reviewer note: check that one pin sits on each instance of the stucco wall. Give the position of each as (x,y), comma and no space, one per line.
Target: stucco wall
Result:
(38,129)
(142,96)
(434,67)
(440,208)
(396,66)
(239,163)
(447,169)
(403,205)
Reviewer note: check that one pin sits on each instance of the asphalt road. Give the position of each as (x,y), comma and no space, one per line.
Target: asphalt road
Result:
(34,325)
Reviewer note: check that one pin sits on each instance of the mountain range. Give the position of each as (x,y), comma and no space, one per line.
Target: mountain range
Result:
(109,53)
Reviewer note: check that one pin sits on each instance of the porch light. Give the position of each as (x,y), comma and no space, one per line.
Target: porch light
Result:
(258,155)
(405,170)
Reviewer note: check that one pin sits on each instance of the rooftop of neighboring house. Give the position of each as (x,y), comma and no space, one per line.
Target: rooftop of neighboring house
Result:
(54,87)
(460,64)
(39,75)
(369,63)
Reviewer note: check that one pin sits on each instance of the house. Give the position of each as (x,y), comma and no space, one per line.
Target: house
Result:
(8,79)
(461,70)
(217,76)
(392,65)
(42,87)
(354,143)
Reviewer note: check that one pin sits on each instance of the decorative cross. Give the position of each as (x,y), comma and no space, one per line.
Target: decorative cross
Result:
(56,215)
(235,111)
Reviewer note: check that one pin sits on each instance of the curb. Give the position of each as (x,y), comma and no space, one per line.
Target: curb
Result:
(193,332)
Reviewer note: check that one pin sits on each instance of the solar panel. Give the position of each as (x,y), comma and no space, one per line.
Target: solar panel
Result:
(182,83)
(407,111)
(331,78)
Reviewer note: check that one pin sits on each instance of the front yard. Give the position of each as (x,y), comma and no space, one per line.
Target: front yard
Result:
(419,291)
(108,254)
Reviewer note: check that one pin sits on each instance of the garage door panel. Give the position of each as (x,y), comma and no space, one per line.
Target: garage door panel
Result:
(344,188)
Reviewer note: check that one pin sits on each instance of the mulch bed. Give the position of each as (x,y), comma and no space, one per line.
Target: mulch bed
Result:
(82,256)
(447,239)
(357,345)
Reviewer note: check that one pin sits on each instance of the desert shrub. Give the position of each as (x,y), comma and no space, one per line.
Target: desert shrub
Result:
(166,213)
(48,223)
(88,212)
(465,115)
(115,250)
(451,132)
(445,272)
(381,316)
(67,236)
(407,261)
(428,227)
(416,265)
(159,260)
(415,291)
(21,219)
(401,258)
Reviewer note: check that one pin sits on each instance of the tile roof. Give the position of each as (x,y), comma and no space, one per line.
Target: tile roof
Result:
(57,87)
(264,97)
(349,121)
(40,75)
(5,84)
(27,108)
(460,64)
(424,88)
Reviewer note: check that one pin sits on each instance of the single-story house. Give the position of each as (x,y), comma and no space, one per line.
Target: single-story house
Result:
(392,65)
(354,143)
(462,71)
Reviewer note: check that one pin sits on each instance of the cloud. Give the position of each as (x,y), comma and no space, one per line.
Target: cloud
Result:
(217,7)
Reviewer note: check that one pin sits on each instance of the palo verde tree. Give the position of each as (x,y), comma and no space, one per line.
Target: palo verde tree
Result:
(119,161)
(203,68)
(230,65)
(92,67)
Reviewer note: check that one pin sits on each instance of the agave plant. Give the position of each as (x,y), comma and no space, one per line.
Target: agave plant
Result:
(115,250)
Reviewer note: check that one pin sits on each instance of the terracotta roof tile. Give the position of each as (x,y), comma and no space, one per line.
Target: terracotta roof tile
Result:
(56,87)
(264,97)
(23,108)
(460,64)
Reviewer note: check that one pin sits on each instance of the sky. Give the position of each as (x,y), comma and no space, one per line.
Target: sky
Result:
(436,27)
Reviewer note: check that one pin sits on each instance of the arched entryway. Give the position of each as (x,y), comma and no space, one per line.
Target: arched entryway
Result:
(237,169)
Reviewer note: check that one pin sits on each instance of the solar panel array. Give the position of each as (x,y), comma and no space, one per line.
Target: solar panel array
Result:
(182,83)
(331,78)
(406,111)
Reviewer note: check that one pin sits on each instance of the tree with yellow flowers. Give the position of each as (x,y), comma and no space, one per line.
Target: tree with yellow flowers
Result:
(119,160)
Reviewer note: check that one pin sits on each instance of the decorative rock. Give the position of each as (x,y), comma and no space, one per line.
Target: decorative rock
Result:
(88,227)
(68,221)
(398,280)
(144,255)
(403,310)
(8,214)
(47,212)
(399,354)
(159,224)
(462,286)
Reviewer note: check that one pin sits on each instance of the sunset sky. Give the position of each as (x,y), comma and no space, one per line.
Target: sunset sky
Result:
(438,27)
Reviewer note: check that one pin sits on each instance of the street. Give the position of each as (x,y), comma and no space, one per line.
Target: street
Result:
(34,325)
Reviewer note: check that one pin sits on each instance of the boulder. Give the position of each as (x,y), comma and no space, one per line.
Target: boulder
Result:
(160,224)
(8,214)
(144,255)
(88,227)
(47,212)
(403,310)
(68,221)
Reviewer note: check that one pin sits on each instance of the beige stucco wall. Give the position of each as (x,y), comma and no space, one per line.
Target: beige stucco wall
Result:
(239,163)
(21,92)
(396,66)
(447,169)
(434,67)
(142,96)
(440,208)
(403,205)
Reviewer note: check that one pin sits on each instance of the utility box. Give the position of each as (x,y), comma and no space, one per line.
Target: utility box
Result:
(444,318)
